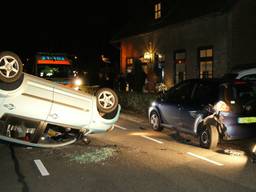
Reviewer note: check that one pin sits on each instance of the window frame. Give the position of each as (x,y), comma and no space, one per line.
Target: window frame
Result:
(206,59)
(129,64)
(212,98)
(171,96)
(157,10)
(183,62)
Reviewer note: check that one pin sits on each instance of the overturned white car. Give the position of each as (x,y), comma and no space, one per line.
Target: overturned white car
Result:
(29,103)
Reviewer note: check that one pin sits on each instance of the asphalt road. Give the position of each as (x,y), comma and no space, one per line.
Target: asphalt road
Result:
(130,158)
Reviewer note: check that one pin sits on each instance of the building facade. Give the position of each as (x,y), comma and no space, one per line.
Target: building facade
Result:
(184,39)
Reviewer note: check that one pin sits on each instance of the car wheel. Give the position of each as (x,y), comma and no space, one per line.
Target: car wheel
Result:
(107,100)
(155,122)
(10,67)
(209,137)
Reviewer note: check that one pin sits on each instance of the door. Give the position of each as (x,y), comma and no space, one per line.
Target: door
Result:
(205,93)
(70,108)
(171,105)
(33,101)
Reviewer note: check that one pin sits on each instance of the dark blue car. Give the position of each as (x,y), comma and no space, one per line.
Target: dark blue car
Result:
(211,109)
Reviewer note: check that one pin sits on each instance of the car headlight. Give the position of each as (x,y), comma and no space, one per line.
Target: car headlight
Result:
(78,82)
(153,104)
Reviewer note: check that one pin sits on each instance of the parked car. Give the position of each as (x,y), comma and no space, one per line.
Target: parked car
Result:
(211,109)
(30,103)
(242,73)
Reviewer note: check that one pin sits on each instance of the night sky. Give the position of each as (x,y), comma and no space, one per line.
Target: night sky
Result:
(83,29)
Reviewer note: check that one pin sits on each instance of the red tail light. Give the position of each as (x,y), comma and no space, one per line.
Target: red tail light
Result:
(239,82)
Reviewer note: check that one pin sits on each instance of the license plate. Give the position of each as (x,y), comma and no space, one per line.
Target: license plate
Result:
(246,120)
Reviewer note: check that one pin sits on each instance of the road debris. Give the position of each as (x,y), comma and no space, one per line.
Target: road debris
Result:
(94,156)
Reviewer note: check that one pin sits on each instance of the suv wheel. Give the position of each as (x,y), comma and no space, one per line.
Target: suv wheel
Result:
(155,122)
(209,137)
(10,67)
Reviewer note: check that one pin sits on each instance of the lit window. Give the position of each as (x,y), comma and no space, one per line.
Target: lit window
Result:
(206,63)
(180,66)
(158,11)
(206,53)
(129,65)
(129,61)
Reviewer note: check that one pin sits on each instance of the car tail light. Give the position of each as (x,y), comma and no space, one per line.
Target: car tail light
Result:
(239,82)
(221,106)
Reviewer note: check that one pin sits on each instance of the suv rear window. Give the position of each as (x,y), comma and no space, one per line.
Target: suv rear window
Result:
(242,92)
(251,77)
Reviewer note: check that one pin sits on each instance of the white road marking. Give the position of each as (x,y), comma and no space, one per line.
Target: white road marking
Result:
(41,167)
(205,159)
(120,127)
(149,138)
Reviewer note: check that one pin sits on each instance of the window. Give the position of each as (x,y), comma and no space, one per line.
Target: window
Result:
(159,61)
(158,11)
(206,93)
(251,77)
(129,65)
(129,61)
(181,92)
(180,66)
(206,63)
(242,93)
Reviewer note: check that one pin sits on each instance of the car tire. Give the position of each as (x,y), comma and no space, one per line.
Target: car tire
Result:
(209,137)
(107,100)
(155,121)
(11,67)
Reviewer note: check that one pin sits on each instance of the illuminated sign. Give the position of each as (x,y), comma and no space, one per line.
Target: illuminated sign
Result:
(53,60)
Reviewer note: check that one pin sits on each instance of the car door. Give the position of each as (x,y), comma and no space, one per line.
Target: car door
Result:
(33,100)
(70,108)
(168,109)
(204,93)
(170,106)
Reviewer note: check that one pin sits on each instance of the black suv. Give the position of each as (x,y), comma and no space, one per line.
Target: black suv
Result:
(211,109)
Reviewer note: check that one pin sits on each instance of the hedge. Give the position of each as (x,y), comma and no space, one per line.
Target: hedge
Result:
(137,102)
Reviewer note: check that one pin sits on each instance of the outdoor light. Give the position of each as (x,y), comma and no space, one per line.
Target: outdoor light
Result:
(147,55)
